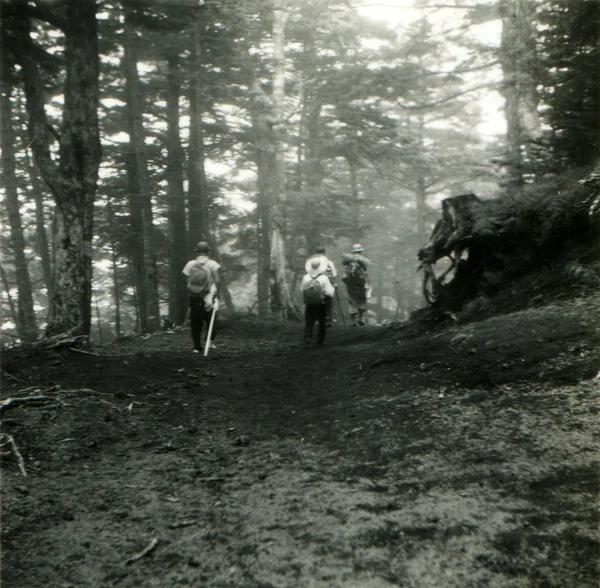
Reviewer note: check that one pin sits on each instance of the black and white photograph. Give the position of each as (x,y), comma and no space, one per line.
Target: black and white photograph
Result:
(300,293)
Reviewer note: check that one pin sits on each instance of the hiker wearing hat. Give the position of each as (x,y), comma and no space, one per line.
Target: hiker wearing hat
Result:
(327,268)
(357,283)
(317,290)
(203,286)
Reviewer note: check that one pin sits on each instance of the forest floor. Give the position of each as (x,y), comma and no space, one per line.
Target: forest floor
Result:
(463,457)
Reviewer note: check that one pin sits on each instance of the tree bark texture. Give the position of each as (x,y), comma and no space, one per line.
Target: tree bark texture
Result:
(11,303)
(145,264)
(175,197)
(263,143)
(285,305)
(43,247)
(198,222)
(73,181)
(26,324)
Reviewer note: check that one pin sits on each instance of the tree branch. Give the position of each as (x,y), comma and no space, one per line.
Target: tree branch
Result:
(448,98)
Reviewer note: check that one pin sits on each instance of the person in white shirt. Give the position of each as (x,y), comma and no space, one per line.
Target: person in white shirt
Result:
(326,267)
(317,291)
(203,287)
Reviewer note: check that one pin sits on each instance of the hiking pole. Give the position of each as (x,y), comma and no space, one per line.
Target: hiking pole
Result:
(337,295)
(212,324)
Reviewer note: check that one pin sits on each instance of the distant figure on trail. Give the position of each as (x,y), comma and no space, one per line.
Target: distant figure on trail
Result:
(317,293)
(356,279)
(203,286)
(327,268)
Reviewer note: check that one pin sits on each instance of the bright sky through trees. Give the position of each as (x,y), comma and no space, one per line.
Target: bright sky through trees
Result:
(403,13)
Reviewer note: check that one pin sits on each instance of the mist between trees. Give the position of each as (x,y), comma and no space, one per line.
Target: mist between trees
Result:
(132,130)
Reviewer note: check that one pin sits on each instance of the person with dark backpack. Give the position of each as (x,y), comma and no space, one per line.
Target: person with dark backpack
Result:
(316,291)
(203,279)
(356,280)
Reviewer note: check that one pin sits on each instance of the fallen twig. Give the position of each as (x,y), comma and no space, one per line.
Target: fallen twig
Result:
(182,524)
(6,439)
(144,552)
(12,402)
(83,391)
(12,377)
(84,352)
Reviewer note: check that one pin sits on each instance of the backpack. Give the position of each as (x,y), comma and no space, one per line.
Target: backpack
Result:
(312,293)
(200,279)
(355,273)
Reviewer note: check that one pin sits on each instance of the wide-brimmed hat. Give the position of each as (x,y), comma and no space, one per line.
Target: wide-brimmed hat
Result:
(315,268)
(202,247)
(357,248)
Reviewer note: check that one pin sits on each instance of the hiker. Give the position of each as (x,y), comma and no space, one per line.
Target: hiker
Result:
(327,268)
(357,283)
(316,289)
(203,286)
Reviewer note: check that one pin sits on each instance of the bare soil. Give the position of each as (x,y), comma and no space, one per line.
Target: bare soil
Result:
(465,456)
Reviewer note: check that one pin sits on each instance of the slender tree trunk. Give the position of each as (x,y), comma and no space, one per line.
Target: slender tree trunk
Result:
(421,190)
(355,206)
(11,303)
(198,222)
(140,195)
(98,321)
(42,243)
(26,325)
(115,273)
(175,197)
(73,181)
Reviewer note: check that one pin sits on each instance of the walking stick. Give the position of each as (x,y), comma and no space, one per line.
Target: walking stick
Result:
(337,295)
(212,324)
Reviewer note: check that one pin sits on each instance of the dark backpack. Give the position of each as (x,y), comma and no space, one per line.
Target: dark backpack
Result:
(355,273)
(199,280)
(312,293)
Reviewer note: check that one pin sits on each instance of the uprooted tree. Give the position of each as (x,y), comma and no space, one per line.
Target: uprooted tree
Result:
(490,243)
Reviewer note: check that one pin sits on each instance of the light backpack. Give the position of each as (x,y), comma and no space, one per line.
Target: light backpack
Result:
(199,280)
(312,292)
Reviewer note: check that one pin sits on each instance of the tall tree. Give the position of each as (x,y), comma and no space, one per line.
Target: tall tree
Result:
(570,53)
(73,179)
(175,195)
(144,262)
(26,323)
(519,66)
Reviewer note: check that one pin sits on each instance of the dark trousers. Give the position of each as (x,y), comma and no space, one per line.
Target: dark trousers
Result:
(198,316)
(329,310)
(312,314)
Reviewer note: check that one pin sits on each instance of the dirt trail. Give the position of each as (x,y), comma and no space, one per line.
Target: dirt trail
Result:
(464,458)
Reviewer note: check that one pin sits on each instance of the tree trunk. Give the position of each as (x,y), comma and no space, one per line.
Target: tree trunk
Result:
(26,324)
(42,242)
(283,302)
(355,227)
(73,181)
(11,303)
(115,267)
(140,197)
(198,223)
(519,63)
(175,198)
(421,190)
